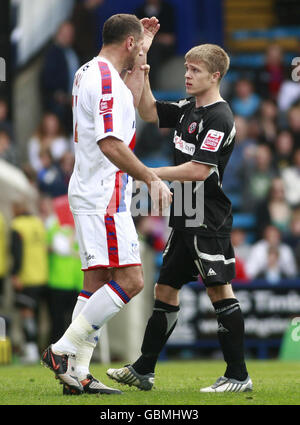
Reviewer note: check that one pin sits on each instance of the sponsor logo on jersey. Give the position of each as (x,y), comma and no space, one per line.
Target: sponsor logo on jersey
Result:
(183,146)
(192,127)
(212,140)
(106,104)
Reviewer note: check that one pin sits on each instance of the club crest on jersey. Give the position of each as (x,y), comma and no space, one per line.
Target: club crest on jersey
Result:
(106,104)
(212,140)
(192,127)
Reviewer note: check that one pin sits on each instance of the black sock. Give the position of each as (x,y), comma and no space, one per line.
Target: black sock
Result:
(231,337)
(160,326)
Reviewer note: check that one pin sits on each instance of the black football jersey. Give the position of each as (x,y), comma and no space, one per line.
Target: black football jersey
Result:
(205,135)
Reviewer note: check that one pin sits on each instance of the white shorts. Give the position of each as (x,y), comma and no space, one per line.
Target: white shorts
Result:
(107,241)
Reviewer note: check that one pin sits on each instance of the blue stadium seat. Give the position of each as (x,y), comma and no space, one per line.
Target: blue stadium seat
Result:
(244,220)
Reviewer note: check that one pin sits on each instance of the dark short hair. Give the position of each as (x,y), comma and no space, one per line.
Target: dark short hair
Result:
(120,26)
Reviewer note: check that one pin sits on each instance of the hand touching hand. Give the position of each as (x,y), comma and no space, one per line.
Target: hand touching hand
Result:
(151,27)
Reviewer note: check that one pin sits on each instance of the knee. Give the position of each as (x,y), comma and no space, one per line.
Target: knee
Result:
(166,294)
(137,286)
(219,292)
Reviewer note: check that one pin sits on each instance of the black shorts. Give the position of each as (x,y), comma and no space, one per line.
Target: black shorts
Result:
(186,256)
(30,296)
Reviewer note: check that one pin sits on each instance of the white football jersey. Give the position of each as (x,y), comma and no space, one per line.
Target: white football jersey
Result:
(102,106)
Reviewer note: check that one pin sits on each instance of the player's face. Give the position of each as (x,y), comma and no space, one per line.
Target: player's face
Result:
(197,78)
(136,51)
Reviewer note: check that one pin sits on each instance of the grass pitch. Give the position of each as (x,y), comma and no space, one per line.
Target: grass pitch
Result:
(176,383)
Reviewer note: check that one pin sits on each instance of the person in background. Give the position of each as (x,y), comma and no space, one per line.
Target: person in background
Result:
(29,273)
(268,122)
(272,74)
(284,147)
(258,257)
(274,210)
(62,289)
(49,134)
(293,238)
(83,17)
(7,151)
(245,102)
(60,65)
(154,145)
(163,46)
(242,150)
(241,251)
(3,256)
(50,178)
(293,116)
(274,272)
(291,180)
(256,177)
(5,123)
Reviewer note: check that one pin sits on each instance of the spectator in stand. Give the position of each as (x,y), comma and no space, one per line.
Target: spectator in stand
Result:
(274,210)
(256,178)
(29,273)
(284,146)
(66,165)
(242,152)
(61,286)
(3,256)
(241,250)
(289,92)
(240,244)
(291,179)
(257,261)
(154,144)
(245,102)
(163,46)
(84,19)
(274,272)
(60,64)
(50,178)
(272,75)
(293,239)
(5,123)
(49,135)
(7,151)
(294,123)
(268,123)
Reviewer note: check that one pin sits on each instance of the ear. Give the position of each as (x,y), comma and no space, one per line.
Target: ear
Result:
(216,77)
(129,42)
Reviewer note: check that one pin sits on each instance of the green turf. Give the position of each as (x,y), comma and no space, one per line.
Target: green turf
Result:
(175,383)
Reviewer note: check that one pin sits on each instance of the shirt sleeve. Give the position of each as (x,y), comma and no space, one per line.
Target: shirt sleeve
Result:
(217,133)
(169,113)
(109,109)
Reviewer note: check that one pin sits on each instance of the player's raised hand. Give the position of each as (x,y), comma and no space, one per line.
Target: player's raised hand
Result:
(151,26)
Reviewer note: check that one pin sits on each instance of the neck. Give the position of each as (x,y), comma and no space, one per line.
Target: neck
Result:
(115,57)
(210,96)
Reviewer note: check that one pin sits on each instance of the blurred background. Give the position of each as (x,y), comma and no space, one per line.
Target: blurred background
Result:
(42,43)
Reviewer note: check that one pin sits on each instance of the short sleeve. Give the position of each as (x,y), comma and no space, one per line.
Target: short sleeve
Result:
(169,113)
(108,106)
(217,133)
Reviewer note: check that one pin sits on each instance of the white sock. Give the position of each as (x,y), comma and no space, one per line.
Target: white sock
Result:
(85,351)
(105,303)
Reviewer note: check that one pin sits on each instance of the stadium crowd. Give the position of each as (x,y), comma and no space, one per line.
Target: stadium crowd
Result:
(262,178)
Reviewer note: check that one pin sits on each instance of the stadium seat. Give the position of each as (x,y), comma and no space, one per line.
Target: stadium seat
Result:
(244,220)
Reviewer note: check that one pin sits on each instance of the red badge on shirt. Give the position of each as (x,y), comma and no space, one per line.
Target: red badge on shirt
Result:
(212,140)
(106,105)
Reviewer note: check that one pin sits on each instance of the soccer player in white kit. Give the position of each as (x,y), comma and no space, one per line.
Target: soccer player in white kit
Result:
(100,194)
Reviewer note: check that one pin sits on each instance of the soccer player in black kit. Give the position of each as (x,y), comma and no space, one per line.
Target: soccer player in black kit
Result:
(203,142)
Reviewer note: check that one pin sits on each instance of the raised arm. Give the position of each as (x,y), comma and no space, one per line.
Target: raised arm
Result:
(136,79)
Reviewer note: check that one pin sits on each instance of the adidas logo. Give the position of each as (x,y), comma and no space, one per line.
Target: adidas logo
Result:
(211,272)
(222,329)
